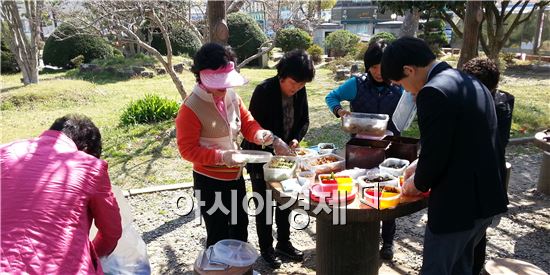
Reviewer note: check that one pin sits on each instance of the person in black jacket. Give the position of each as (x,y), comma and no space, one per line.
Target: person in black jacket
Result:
(461,158)
(487,72)
(280,105)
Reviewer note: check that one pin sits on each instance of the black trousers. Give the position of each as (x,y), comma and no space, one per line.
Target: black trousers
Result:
(264,230)
(452,253)
(388,231)
(220,225)
(479,255)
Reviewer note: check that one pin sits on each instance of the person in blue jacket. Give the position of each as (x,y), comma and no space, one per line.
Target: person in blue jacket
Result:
(369,93)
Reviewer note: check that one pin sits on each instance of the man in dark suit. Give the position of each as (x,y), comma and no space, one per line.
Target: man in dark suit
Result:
(461,156)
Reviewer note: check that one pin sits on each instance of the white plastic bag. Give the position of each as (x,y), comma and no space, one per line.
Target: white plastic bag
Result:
(404,112)
(129,256)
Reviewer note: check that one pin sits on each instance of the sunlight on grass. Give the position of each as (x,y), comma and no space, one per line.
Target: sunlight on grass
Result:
(144,155)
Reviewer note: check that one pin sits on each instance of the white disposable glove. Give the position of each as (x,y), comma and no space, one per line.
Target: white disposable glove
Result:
(280,148)
(410,170)
(294,144)
(263,137)
(409,189)
(343,112)
(231,159)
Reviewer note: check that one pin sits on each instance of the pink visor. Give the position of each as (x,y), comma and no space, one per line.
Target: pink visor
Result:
(223,77)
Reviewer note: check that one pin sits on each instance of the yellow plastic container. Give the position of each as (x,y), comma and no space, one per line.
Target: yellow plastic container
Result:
(382,200)
(345,184)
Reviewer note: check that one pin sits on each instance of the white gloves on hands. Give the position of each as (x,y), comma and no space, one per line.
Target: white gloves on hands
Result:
(409,189)
(231,159)
(280,148)
(409,171)
(294,144)
(263,137)
(343,112)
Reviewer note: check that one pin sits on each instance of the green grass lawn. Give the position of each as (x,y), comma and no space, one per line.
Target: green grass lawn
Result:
(145,155)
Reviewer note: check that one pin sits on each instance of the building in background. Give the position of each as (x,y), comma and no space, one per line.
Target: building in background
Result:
(363,18)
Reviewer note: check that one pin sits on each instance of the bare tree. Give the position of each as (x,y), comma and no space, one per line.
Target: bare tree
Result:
(499,24)
(25,49)
(127,20)
(538,31)
(497,20)
(410,23)
(474,15)
(263,49)
(217,24)
(234,6)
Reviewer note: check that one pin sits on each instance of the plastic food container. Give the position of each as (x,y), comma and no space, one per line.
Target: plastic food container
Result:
(372,179)
(307,175)
(384,197)
(338,183)
(252,156)
(234,253)
(326,148)
(366,124)
(353,173)
(305,152)
(279,168)
(291,185)
(394,166)
(326,164)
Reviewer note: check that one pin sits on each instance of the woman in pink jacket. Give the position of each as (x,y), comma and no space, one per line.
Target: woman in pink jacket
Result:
(53,186)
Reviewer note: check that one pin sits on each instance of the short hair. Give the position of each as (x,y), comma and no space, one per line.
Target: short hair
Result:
(373,54)
(405,51)
(82,131)
(211,56)
(485,70)
(296,64)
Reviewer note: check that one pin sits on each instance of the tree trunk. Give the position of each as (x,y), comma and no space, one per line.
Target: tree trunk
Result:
(260,53)
(177,81)
(410,23)
(503,25)
(219,33)
(235,6)
(538,31)
(473,18)
(26,51)
(54,19)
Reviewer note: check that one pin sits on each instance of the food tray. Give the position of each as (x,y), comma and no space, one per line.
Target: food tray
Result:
(337,165)
(366,181)
(305,152)
(337,183)
(316,194)
(252,156)
(375,199)
(234,253)
(365,124)
(279,174)
(387,166)
(326,148)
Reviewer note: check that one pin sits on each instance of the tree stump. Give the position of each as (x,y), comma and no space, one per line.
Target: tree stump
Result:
(342,74)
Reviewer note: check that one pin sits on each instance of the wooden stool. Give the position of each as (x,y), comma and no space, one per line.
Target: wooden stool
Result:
(511,267)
